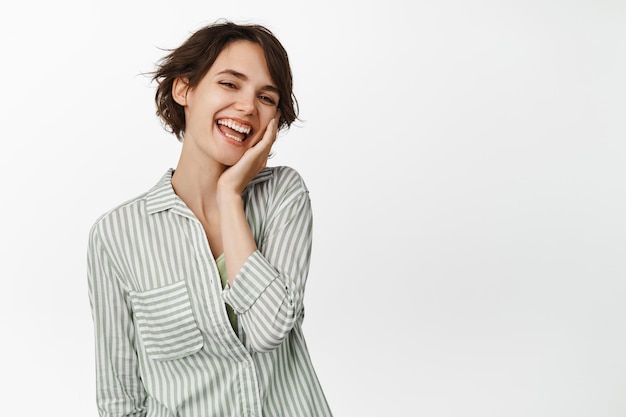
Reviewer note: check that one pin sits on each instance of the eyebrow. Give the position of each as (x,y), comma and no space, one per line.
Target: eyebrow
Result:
(244,77)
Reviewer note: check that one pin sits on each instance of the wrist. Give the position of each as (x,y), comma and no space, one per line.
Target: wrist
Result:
(228,198)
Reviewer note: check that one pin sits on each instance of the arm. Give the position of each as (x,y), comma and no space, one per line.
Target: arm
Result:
(237,240)
(268,289)
(265,288)
(119,391)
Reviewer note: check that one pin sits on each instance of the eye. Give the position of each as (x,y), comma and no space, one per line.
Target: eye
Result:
(267,99)
(228,84)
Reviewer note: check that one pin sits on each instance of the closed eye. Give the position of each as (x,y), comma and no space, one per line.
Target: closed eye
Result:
(228,84)
(268,99)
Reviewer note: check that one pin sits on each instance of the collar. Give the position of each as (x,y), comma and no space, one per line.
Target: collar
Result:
(162,197)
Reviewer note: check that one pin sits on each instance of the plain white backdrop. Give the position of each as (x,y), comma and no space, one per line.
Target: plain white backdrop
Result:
(467,166)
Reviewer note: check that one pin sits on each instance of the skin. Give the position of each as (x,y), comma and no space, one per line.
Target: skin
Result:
(213,169)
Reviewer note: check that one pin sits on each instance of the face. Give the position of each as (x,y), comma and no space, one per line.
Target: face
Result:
(228,111)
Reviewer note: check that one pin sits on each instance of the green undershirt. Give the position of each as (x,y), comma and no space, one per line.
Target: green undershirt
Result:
(221,267)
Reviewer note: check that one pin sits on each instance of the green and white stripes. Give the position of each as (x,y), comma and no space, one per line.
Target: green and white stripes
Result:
(165,321)
(164,343)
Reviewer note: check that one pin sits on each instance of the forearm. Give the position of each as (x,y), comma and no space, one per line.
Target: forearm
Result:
(237,240)
(119,390)
(269,288)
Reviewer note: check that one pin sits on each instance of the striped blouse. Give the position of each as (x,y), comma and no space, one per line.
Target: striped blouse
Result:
(164,342)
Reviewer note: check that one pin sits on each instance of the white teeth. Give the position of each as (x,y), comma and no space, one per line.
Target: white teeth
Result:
(233,137)
(235,126)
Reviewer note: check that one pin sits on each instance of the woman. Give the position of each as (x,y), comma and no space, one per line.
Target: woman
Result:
(196,286)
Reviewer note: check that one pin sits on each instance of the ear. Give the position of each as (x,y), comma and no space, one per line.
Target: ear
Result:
(179,91)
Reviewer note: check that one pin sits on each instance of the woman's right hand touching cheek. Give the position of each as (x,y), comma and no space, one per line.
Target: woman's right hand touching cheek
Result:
(235,178)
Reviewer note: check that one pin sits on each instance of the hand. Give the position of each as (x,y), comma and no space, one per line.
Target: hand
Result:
(235,178)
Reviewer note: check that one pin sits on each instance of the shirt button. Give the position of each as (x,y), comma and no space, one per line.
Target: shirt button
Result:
(245,366)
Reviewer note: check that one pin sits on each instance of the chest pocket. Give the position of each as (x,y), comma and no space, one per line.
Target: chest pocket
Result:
(165,322)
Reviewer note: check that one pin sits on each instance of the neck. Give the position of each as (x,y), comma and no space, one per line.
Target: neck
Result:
(196,185)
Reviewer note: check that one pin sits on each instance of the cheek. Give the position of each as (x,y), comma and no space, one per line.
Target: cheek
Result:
(267,114)
(201,110)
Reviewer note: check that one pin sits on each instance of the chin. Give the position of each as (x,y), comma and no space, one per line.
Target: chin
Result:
(230,160)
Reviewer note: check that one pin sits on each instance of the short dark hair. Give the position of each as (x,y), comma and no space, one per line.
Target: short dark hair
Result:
(193,59)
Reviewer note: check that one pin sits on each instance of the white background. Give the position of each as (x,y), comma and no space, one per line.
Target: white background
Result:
(466,162)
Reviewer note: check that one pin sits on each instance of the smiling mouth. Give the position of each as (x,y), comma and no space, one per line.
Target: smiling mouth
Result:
(234,130)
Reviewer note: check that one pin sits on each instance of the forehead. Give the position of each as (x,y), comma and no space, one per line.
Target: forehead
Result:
(245,57)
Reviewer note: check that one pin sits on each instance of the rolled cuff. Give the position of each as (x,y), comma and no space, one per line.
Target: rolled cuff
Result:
(253,279)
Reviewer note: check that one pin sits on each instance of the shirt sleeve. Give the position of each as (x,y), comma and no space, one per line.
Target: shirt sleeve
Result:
(268,291)
(119,391)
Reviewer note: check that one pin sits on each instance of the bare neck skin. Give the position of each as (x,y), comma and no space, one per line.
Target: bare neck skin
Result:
(196,184)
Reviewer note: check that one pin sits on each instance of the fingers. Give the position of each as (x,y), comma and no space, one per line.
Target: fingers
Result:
(277,117)
(272,129)
(269,135)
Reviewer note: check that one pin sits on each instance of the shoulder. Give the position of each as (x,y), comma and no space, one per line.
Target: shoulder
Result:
(274,189)
(136,210)
(119,217)
(285,179)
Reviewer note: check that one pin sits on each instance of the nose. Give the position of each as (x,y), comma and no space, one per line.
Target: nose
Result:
(246,102)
